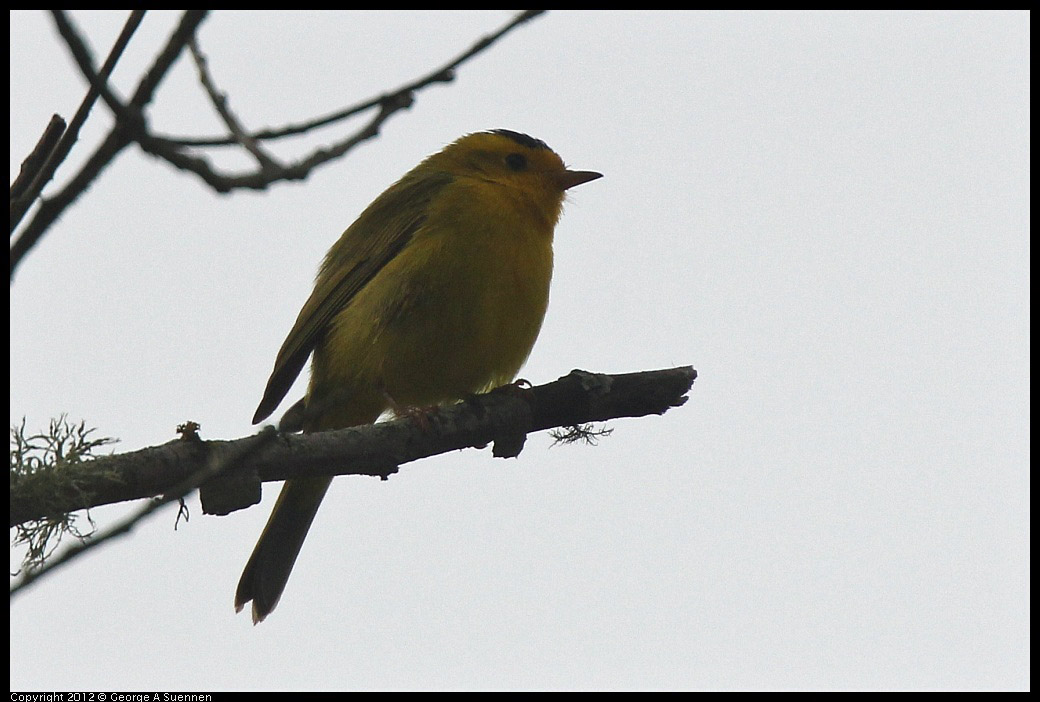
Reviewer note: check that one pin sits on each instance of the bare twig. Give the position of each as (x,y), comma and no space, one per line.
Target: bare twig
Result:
(172,148)
(403,95)
(132,126)
(84,58)
(21,204)
(121,135)
(220,103)
(34,162)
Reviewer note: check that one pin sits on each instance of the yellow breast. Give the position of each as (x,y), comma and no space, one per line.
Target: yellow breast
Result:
(457,311)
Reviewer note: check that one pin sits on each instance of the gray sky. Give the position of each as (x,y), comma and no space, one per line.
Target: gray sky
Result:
(825,214)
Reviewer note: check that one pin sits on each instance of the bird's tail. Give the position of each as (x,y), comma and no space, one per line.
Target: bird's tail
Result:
(267,571)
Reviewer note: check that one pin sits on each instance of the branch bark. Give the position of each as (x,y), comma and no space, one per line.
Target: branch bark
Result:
(504,417)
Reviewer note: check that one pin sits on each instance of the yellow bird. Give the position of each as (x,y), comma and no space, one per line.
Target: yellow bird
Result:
(437,291)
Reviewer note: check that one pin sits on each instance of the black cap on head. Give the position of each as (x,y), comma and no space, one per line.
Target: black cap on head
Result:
(522,139)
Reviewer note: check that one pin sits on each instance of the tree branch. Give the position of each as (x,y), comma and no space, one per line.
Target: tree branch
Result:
(220,104)
(244,449)
(33,164)
(120,136)
(174,151)
(504,417)
(132,126)
(21,204)
(404,94)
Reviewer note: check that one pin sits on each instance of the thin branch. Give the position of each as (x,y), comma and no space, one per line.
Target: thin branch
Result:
(261,180)
(20,205)
(220,104)
(84,58)
(504,417)
(122,134)
(403,95)
(172,149)
(34,162)
(131,126)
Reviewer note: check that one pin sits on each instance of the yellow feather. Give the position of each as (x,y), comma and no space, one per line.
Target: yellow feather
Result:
(438,290)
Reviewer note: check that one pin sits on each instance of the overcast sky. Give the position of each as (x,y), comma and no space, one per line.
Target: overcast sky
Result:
(826,215)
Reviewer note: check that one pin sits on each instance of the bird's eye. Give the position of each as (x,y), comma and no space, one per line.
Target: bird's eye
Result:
(516,162)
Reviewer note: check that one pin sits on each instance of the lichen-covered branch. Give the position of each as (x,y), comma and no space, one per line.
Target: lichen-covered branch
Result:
(503,417)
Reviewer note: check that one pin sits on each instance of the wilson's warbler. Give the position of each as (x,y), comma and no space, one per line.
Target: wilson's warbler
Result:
(437,291)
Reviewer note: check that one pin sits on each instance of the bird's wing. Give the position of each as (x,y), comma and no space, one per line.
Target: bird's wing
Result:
(378,235)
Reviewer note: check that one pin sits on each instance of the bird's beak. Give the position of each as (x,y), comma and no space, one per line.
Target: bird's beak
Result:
(568,179)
